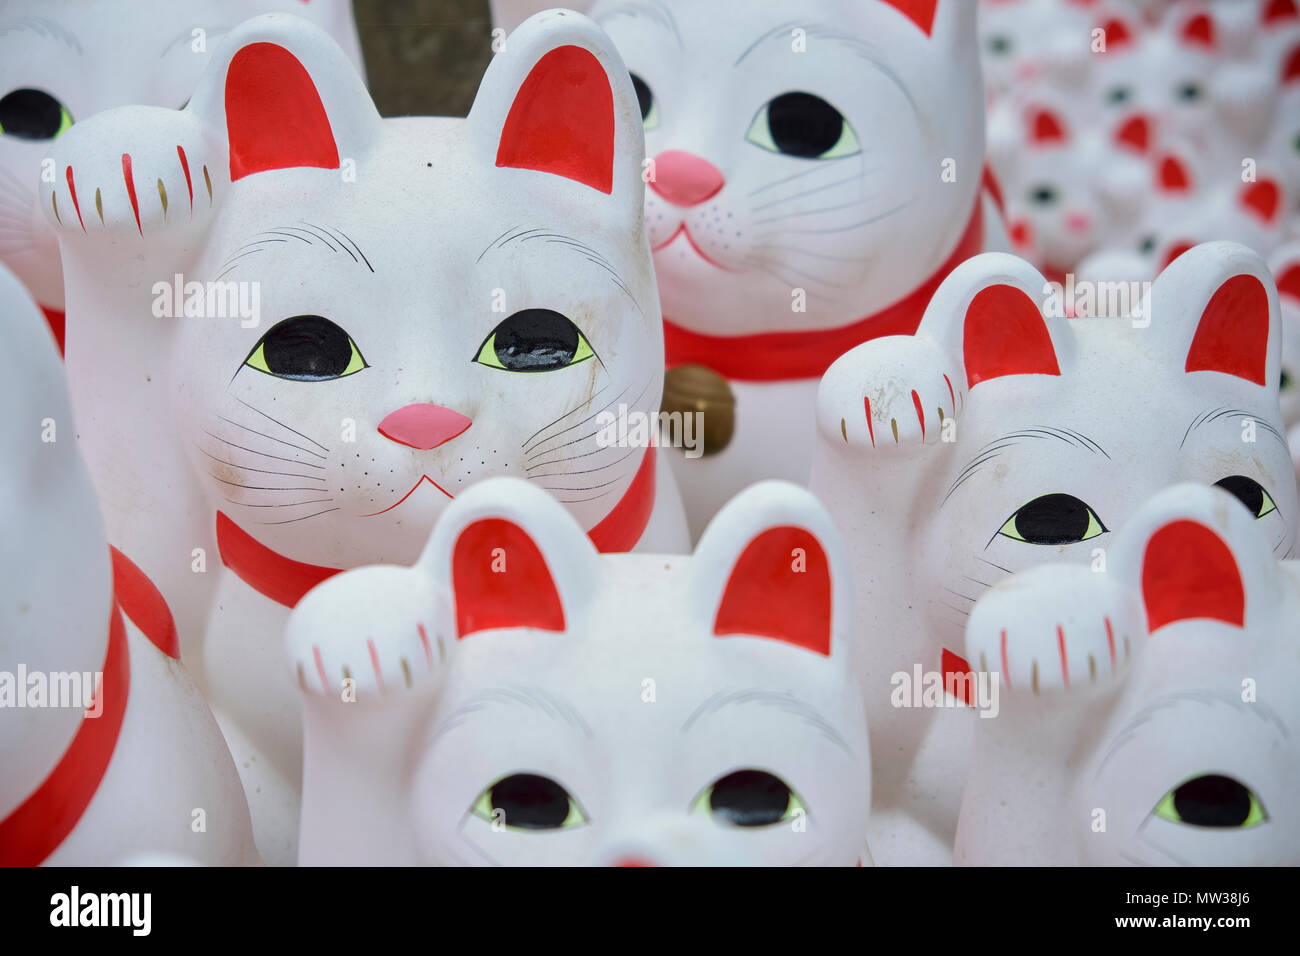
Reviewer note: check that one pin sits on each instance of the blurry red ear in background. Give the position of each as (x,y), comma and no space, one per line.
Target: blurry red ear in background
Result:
(1288,281)
(1232,336)
(1119,35)
(779,588)
(1279,11)
(1172,175)
(1005,334)
(1263,199)
(1189,573)
(500,580)
(1046,126)
(1291,67)
(1135,132)
(1199,31)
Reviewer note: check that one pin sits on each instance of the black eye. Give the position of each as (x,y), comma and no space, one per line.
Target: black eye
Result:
(1250,493)
(306,348)
(1189,92)
(1286,381)
(528,801)
(1212,800)
(1295,143)
(1118,95)
(1042,195)
(749,798)
(803,125)
(644,97)
(1147,245)
(534,340)
(32,114)
(999,45)
(1053,519)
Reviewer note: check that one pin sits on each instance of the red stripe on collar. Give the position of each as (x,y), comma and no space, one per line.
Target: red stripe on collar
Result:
(286,581)
(37,827)
(144,604)
(954,667)
(56,320)
(782,356)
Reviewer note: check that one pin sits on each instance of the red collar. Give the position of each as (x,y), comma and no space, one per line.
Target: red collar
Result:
(952,667)
(285,580)
(781,356)
(55,319)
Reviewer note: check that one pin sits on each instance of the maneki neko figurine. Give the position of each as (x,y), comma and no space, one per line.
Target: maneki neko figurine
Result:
(1148,713)
(62,62)
(517,698)
(1285,266)
(1004,435)
(815,169)
(298,331)
(108,749)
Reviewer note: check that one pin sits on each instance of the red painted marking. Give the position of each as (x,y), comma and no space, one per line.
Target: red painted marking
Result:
(189,187)
(952,667)
(1232,336)
(920,413)
(1288,282)
(1189,572)
(57,321)
(1045,126)
(685,179)
(765,596)
(1065,664)
(1110,641)
(268,572)
(144,604)
(320,668)
(1291,66)
(1174,176)
(622,528)
(562,120)
(920,12)
(951,394)
(1279,10)
(1005,334)
(785,356)
(1006,671)
(72,188)
(374,663)
(690,240)
(1199,31)
(1136,132)
(523,594)
(870,429)
(274,115)
(130,189)
(1118,33)
(1176,250)
(1263,197)
(418,482)
(994,189)
(424,639)
(423,426)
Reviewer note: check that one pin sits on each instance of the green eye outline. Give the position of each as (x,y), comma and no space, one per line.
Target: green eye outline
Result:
(760,134)
(701,803)
(257,360)
(65,122)
(1267,506)
(487,354)
(1166,810)
(483,809)
(1095,526)
(651,121)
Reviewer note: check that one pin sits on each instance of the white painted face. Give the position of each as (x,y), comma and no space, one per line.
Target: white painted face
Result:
(440,300)
(1285,266)
(1028,41)
(801,145)
(61,63)
(1169,683)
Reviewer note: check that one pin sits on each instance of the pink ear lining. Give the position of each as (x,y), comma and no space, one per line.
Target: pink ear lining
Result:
(1005,334)
(779,588)
(1188,573)
(500,580)
(1232,336)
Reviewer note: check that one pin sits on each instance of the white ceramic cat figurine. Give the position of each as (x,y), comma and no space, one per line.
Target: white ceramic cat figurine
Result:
(402,307)
(1148,713)
(1285,266)
(63,62)
(107,747)
(816,171)
(1003,435)
(517,698)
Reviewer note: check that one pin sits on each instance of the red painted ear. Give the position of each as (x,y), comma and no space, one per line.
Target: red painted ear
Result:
(1176,250)
(1262,199)
(1291,67)
(1288,283)
(562,120)
(1277,11)
(1232,336)
(1172,175)
(1045,126)
(500,579)
(1187,573)
(1005,335)
(920,12)
(1118,34)
(1135,132)
(274,116)
(1199,31)
(780,588)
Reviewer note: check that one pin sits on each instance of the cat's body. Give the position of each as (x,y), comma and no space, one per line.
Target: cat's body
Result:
(440,300)
(145,770)
(815,169)
(518,699)
(1149,714)
(996,439)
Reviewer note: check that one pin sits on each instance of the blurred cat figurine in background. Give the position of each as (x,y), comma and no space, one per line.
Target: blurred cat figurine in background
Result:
(417,304)
(108,749)
(520,699)
(815,171)
(63,62)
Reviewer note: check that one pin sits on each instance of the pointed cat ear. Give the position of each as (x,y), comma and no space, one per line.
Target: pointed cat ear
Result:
(989,314)
(558,100)
(286,97)
(1046,126)
(1174,175)
(1198,31)
(506,555)
(1216,308)
(1264,199)
(770,565)
(1278,12)
(1196,554)
(1284,263)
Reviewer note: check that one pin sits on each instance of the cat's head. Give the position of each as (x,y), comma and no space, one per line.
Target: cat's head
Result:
(390,310)
(648,708)
(829,147)
(1026,42)
(1285,266)
(1068,425)
(60,63)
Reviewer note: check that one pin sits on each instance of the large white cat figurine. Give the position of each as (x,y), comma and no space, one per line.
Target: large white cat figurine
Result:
(402,307)
(1148,713)
(516,698)
(107,748)
(1003,435)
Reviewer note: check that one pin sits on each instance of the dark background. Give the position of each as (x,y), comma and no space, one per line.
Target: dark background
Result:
(424,57)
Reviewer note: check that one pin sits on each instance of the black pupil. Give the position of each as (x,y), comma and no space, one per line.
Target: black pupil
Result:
(1212,801)
(750,798)
(1189,91)
(1147,245)
(531,802)
(804,125)
(1044,195)
(999,44)
(535,340)
(1246,490)
(30,114)
(1053,519)
(307,347)
(1119,94)
(643,95)
(1286,380)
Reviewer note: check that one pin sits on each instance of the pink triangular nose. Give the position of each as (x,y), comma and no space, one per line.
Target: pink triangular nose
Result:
(423,426)
(685,179)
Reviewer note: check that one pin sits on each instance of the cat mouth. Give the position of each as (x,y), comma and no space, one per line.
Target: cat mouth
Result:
(683,231)
(422,479)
